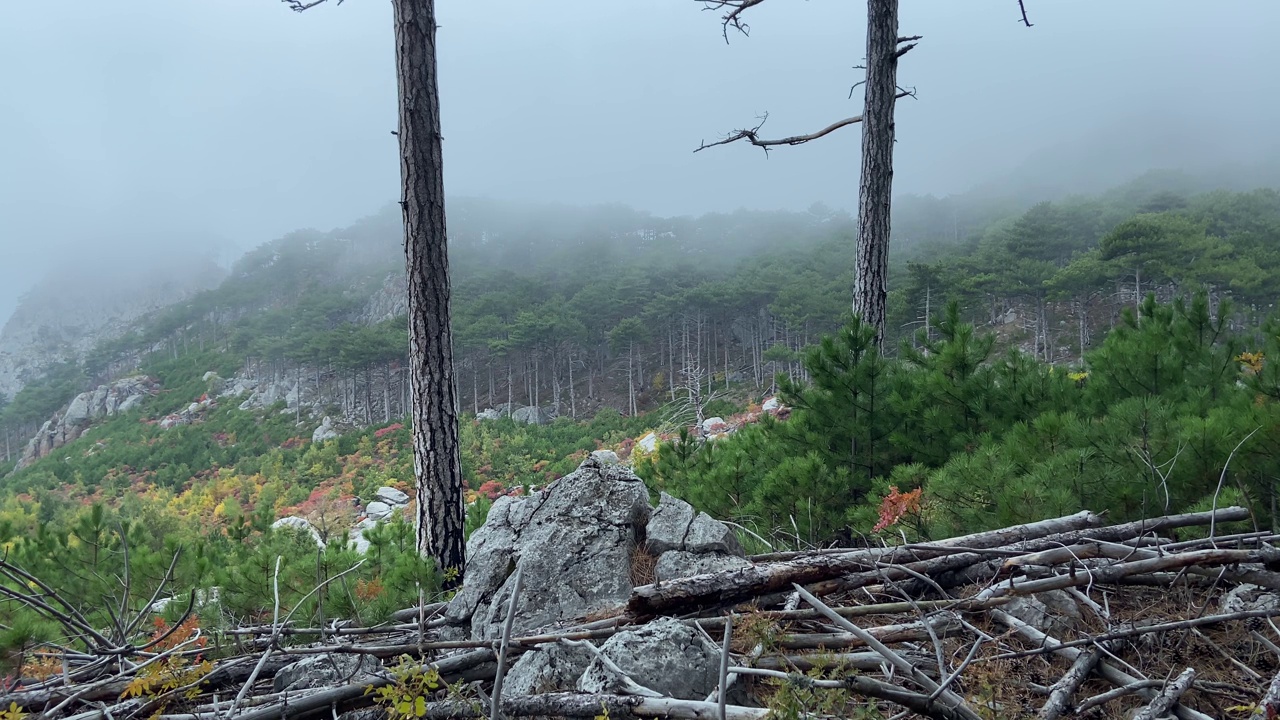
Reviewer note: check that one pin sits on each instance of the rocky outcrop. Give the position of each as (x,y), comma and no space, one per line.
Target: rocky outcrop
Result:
(526,414)
(552,668)
(675,525)
(90,299)
(575,542)
(389,502)
(326,431)
(300,525)
(87,408)
(677,564)
(388,302)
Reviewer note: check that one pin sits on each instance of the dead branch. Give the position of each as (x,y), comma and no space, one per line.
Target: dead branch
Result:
(733,14)
(301,5)
(752,135)
(952,702)
(1164,701)
(1059,702)
(1022,6)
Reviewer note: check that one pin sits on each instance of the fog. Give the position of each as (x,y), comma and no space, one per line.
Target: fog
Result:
(219,124)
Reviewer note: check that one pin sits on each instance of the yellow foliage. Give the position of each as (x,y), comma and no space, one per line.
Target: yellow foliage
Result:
(1078,376)
(13,712)
(411,688)
(1252,361)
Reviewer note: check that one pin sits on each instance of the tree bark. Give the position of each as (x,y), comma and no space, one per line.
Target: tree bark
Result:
(437,467)
(875,192)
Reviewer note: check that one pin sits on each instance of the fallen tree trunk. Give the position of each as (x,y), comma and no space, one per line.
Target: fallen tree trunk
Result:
(722,588)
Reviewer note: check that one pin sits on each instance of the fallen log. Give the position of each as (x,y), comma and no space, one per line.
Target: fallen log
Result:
(1164,701)
(730,586)
(1112,573)
(1059,702)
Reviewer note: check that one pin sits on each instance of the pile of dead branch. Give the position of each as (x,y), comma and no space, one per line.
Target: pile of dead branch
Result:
(1169,617)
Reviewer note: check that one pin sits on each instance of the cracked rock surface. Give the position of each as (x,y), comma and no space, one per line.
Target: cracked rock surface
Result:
(665,655)
(573,540)
(675,525)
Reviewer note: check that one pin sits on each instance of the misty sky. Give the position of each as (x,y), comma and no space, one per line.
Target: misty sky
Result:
(226,123)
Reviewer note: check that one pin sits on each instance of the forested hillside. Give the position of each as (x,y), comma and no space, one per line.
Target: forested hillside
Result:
(1104,352)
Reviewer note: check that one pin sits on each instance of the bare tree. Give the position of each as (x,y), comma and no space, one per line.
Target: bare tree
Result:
(875,192)
(436,454)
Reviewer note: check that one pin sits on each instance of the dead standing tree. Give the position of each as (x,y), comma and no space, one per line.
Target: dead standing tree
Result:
(436,454)
(875,192)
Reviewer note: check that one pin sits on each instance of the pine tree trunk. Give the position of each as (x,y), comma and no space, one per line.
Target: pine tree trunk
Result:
(875,192)
(434,410)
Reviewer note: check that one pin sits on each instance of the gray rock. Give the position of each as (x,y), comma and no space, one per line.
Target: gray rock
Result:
(532,415)
(1053,611)
(708,535)
(550,668)
(574,541)
(322,670)
(665,655)
(605,457)
(326,431)
(676,526)
(377,510)
(297,523)
(129,403)
(83,411)
(668,524)
(489,414)
(713,424)
(392,496)
(1246,597)
(677,564)
(649,442)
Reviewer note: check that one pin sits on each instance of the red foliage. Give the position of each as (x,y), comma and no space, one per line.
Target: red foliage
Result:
(493,489)
(895,505)
(387,430)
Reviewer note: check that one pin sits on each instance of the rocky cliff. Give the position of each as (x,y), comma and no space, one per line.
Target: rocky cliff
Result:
(103,401)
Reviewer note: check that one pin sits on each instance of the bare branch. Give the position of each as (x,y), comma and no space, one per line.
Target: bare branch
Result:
(1022,6)
(731,18)
(752,135)
(301,5)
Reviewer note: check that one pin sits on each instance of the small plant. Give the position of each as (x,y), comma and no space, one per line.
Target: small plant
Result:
(175,674)
(13,712)
(409,692)
(895,505)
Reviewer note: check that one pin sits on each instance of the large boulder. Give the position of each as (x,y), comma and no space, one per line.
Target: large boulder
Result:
(675,525)
(573,540)
(550,668)
(300,525)
(326,431)
(533,415)
(392,496)
(665,655)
